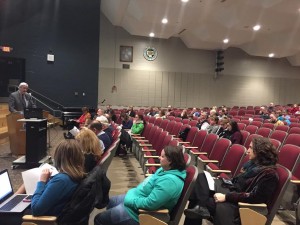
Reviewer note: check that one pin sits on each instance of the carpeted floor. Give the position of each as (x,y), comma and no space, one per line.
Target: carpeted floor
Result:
(124,174)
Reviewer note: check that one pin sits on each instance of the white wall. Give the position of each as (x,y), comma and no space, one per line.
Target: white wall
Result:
(185,77)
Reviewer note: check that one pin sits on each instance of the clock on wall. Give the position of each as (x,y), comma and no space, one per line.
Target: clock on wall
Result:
(150,53)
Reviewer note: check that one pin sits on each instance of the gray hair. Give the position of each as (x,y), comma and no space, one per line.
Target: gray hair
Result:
(23,84)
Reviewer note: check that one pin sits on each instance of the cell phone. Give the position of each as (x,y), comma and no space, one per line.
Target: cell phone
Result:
(227,181)
(28,198)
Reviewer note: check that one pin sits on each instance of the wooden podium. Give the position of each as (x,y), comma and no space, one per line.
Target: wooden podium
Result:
(17,134)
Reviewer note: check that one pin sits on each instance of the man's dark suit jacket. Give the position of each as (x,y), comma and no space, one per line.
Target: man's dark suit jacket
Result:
(16,104)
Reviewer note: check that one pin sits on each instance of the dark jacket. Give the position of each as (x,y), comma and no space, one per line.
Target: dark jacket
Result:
(258,189)
(92,192)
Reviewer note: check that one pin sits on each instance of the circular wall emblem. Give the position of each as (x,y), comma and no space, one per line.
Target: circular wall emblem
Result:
(150,53)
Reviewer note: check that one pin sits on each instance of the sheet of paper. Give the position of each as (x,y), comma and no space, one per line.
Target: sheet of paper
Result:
(32,176)
(74,131)
(210,181)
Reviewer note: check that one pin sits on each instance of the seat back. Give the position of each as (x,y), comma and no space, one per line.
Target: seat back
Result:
(282,127)
(170,126)
(193,123)
(220,148)
(256,123)
(192,133)
(189,183)
(294,125)
(251,129)
(147,129)
(199,138)
(268,125)
(294,130)
(241,126)
(276,143)
(284,176)
(209,143)
(176,129)
(233,158)
(246,122)
(158,121)
(164,124)
(245,135)
(289,156)
(185,121)
(264,131)
(293,139)
(151,119)
(249,139)
(279,135)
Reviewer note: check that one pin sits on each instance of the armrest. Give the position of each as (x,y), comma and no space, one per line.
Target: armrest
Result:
(260,208)
(164,211)
(199,153)
(151,156)
(145,219)
(162,214)
(295,181)
(142,140)
(220,171)
(208,161)
(191,147)
(145,145)
(152,164)
(148,150)
(183,142)
(39,218)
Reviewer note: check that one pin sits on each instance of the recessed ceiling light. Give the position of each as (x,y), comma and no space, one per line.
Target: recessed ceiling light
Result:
(151,34)
(271,55)
(164,20)
(226,40)
(184,0)
(256,27)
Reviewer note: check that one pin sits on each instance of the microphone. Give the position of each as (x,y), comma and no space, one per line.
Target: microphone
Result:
(103,101)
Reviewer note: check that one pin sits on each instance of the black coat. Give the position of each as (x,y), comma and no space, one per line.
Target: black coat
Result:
(92,192)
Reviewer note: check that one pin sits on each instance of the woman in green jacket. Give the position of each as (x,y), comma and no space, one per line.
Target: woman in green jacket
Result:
(152,194)
(138,125)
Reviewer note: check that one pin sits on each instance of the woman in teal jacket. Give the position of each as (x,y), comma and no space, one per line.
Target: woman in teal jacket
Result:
(152,194)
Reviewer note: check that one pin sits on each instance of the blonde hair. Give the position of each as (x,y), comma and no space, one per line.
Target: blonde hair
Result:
(89,142)
(69,159)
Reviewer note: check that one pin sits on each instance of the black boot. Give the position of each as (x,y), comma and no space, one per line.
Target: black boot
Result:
(198,212)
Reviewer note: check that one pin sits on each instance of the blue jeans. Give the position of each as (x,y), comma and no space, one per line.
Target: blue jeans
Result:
(115,213)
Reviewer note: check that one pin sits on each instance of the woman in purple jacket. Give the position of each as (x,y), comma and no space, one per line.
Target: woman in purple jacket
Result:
(256,183)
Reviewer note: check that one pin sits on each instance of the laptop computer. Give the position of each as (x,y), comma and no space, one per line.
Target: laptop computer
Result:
(33,113)
(10,202)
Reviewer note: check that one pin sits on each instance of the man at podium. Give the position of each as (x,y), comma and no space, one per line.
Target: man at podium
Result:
(19,100)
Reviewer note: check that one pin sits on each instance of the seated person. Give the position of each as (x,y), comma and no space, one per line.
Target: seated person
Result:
(138,124)
(233,133)
(213,124)
(83,121)
(97,128)
(223,204)
(53,193)
(152,194)
(223,127)
(126,121)
(184,114)
(131,112)
(273,119)
(106,126)
(203,122)
(161,114)
(91,148)
(264,114)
